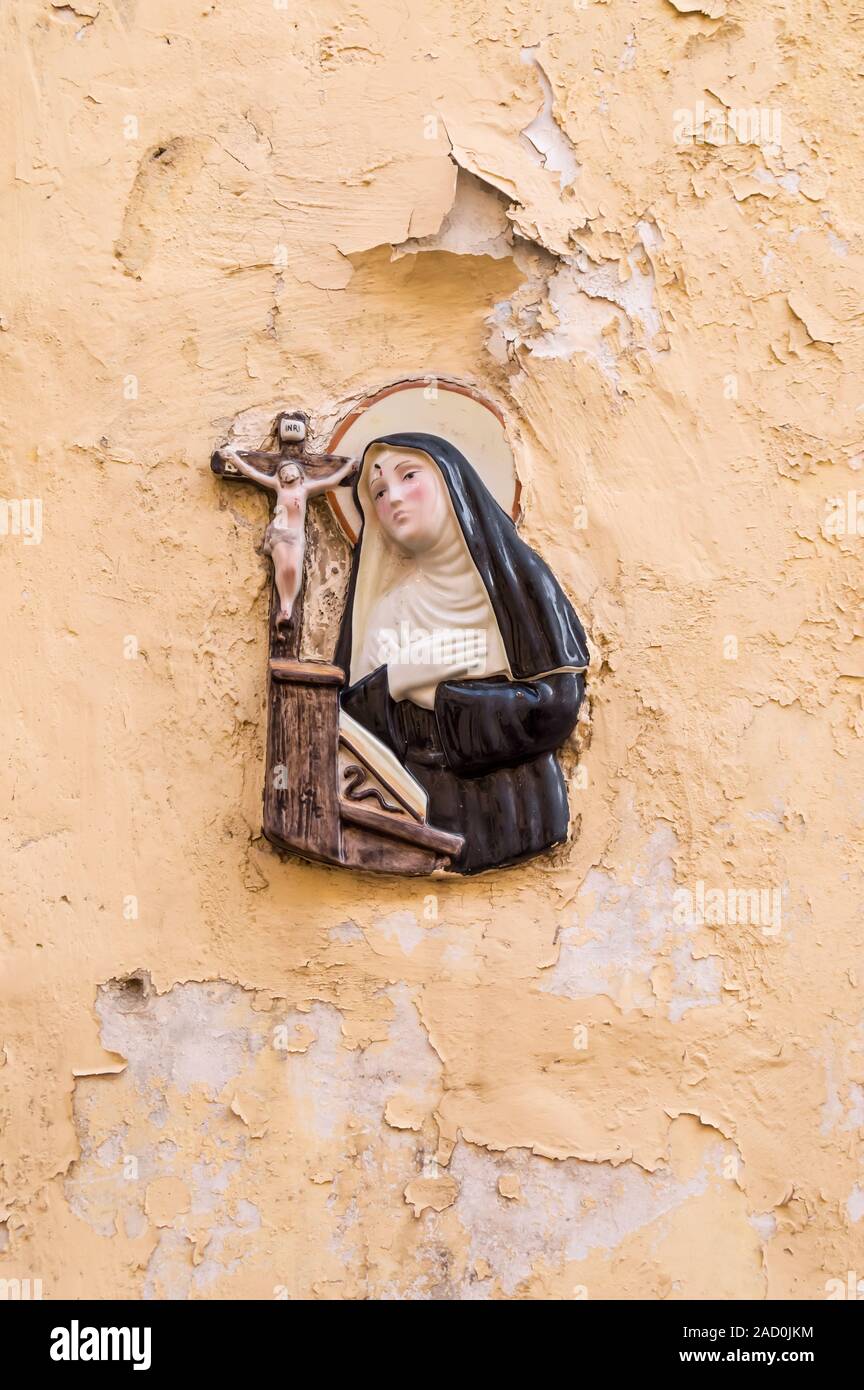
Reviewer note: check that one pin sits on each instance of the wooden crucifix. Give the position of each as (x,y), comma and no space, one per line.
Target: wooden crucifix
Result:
(294,476)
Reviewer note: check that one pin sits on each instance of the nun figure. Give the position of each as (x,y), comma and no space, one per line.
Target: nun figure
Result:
(464,657)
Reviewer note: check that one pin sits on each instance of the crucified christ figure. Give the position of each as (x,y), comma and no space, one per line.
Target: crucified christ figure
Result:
(285,537)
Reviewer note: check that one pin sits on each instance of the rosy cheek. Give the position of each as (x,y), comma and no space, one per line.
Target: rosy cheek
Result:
(419,491)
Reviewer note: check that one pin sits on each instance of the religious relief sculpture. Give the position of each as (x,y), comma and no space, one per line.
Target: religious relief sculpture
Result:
(428,743)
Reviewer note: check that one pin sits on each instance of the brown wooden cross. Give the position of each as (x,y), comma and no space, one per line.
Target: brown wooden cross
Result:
(290,431)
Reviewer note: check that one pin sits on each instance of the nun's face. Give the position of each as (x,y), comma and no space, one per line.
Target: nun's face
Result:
(409,497)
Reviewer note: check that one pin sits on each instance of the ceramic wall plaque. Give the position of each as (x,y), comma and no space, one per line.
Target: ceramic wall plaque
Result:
(427,743)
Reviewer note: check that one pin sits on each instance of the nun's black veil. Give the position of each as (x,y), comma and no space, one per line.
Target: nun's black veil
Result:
(538,626)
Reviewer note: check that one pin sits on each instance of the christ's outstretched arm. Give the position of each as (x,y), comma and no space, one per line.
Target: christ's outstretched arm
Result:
(332,479)
(265,479)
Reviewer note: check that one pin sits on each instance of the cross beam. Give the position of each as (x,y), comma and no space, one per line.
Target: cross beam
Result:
(290,429)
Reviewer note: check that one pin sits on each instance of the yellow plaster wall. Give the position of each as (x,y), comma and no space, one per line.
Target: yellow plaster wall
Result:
(226,1074)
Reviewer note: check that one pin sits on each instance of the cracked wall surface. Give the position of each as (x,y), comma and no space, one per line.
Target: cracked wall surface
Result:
(634,1067)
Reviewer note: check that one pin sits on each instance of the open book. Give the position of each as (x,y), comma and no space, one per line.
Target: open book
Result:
(383,764)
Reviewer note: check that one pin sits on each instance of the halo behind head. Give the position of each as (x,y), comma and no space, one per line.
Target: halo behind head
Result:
(451,411)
